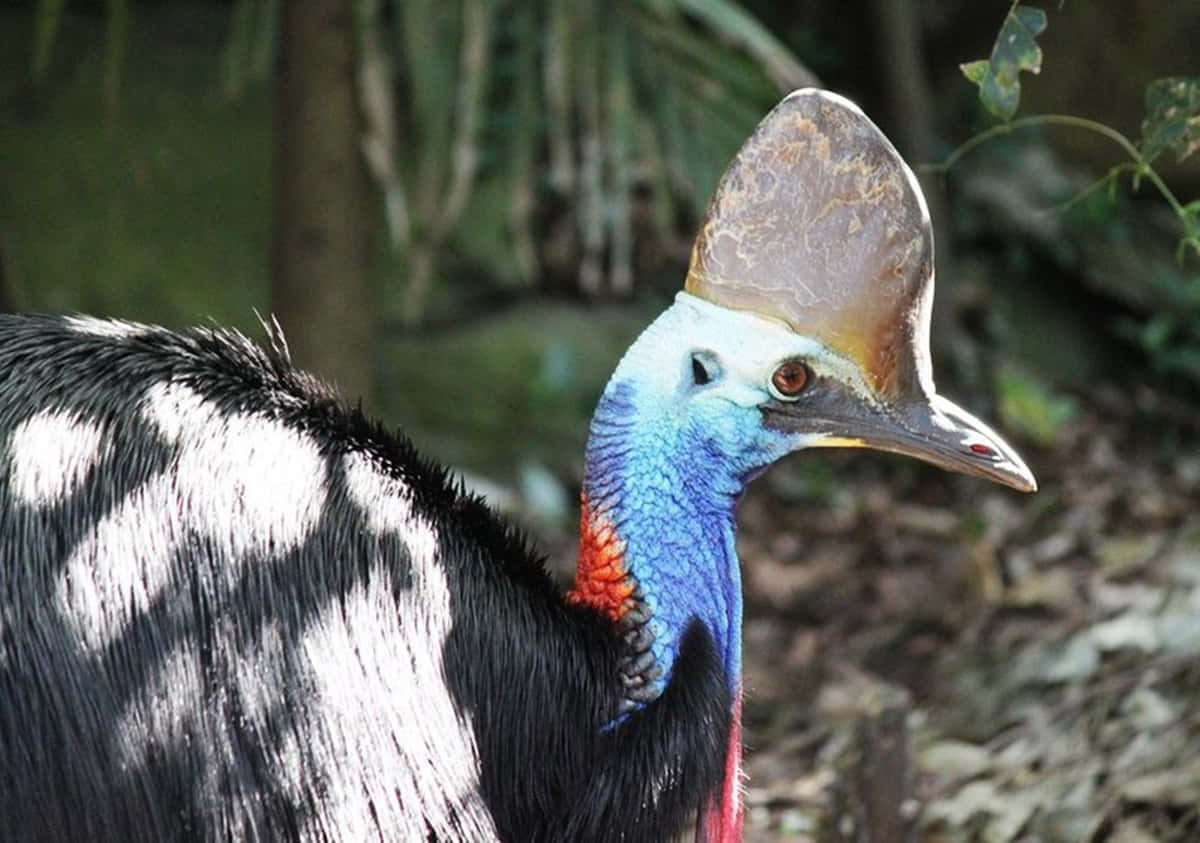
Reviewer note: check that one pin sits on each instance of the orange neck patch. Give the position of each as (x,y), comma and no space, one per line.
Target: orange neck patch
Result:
(602,580)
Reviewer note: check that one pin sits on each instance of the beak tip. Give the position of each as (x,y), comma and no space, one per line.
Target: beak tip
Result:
(1009,470)
(1022,478)
(1016,475)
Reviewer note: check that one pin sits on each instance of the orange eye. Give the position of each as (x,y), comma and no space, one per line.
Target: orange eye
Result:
(790,378)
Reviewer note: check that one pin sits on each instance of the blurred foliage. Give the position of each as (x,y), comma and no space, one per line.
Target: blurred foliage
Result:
(1031,408)
(1168,331)
(524,377)
(250,46)
(45,31)
(161,215)
(1170,335)
(587,120)
(1172,118)
(47,16)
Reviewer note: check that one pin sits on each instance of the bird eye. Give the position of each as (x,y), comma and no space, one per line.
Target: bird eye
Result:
(790,379)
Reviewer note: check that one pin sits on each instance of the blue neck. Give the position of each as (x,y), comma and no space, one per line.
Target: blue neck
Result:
(670,498)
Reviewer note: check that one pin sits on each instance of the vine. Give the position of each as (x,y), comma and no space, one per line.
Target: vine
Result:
(1172,120)
(1171,333)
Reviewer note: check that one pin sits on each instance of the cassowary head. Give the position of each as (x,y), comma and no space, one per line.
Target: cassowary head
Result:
(805,316)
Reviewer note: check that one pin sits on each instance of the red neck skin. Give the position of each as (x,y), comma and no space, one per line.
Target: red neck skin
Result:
(602,579)
(721,820)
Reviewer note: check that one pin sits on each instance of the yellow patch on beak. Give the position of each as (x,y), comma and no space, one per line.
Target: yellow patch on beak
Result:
(840,442)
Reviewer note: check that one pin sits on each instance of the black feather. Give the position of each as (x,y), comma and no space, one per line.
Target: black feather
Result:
(536,679)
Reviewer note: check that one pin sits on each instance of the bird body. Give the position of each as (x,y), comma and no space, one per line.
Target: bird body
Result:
(233,608)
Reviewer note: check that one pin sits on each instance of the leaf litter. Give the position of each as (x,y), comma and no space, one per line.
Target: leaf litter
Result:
(1050,652)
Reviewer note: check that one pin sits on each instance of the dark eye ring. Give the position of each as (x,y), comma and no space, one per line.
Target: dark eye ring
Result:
(790,378)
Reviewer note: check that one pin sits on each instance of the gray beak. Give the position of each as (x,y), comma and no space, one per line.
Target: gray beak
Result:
(932,429)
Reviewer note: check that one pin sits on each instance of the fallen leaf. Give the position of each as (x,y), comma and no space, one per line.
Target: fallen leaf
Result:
(1054,547)
(969,801)
(1015,811)
(925,519)
(1130,631)
(1180,631)
(1183,560)
(1123,554)
(1131,831)
(1053,589)
(1177,786)
(1060,661)
(954,759)
(1147,709)
(1117,597)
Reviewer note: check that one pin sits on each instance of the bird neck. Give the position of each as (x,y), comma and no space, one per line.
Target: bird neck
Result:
(657,541)
(657,553)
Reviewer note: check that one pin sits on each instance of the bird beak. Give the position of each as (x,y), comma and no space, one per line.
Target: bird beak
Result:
(942,433)
(932,429)
(819,224)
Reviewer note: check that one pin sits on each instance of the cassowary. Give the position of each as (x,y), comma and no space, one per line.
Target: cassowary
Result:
(231,608)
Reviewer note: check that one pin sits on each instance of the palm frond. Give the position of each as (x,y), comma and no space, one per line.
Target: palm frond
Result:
(734,25)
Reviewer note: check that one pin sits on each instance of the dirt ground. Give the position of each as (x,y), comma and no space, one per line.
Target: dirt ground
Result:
(930,658)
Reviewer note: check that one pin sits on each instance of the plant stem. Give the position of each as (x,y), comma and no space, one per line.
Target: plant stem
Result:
(1142,166)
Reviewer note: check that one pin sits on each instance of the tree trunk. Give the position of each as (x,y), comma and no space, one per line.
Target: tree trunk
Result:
(324,212)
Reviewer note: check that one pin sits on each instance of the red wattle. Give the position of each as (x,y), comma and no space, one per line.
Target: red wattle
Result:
(722,818)
(602,580)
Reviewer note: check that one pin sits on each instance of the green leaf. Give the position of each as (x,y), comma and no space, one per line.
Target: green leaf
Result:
(1172,117)
(1015,50)
(976,71)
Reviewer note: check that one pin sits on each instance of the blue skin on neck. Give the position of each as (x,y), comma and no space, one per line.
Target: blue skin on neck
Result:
(667,472)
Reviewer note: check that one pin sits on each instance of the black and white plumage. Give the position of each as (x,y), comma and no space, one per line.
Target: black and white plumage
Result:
(231,608)
(232,611)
